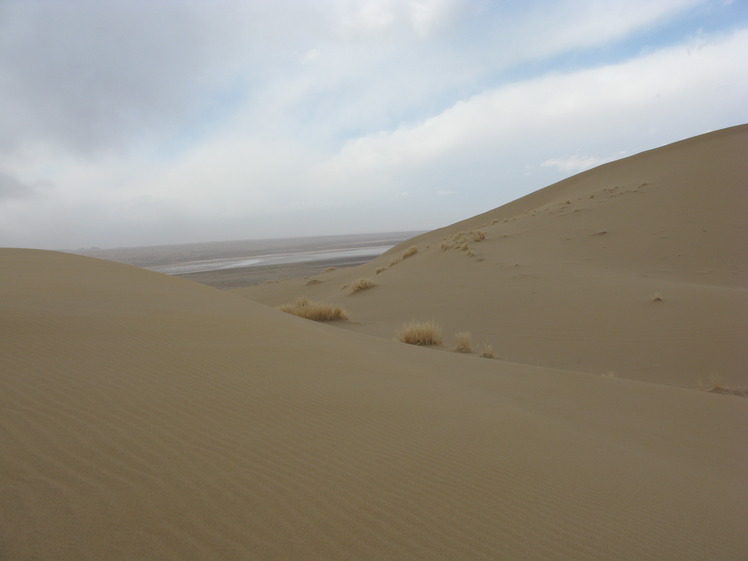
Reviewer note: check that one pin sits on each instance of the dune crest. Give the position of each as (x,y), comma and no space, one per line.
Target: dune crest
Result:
(638,267)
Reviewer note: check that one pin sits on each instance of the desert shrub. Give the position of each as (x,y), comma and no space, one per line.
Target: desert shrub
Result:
(478,236)
(314,310)
(395,261)
(420,333)
(381,269)
(412,250)
(463,342)
(362,284)
(487,352)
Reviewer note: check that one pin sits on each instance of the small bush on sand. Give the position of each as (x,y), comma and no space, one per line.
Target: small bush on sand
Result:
(420,333)
(407,253)
(362,284)
(381,269)
(487,352)
(412,250)
(478,236)
(463,342)
(314,310)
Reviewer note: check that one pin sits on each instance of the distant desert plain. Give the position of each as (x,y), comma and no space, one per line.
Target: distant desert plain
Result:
(583,398)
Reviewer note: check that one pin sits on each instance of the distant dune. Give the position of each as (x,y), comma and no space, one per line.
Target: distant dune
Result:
(148,417)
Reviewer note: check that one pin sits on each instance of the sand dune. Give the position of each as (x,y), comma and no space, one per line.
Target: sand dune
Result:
(637,268)
(148,417)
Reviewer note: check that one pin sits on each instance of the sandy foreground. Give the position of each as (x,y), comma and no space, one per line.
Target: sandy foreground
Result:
(149,417)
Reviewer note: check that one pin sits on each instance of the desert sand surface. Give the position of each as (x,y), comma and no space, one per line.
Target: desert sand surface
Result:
(146,417)
(636,269)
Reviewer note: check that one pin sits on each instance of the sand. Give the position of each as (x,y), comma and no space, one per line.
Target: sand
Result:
(638,269)
(150,417)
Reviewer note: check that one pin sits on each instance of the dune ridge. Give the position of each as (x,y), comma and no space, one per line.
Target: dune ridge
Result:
(148,417)
(638,267)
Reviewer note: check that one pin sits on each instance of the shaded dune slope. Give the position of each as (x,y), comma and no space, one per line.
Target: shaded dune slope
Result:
(637,268)
(146,417)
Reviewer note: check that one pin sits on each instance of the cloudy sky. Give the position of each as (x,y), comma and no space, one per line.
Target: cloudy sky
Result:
(141,122)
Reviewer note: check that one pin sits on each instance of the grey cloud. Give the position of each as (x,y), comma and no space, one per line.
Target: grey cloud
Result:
(84,75)
(13,188)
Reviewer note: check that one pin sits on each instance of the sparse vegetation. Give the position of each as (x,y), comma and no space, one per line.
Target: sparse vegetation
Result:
(425,333)
(362,284)
(478,236)
(487,352)
(412,250)
(381,269)
(657,297)
(463,342)
(314,310)
(312,282)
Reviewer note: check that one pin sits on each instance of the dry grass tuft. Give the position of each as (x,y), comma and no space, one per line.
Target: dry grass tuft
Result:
(412,250)
(463,342)
(381,269)
(444,246)
(487,352)
(395,261)
(479,236)
(313,282)
(424,333)
(657,297)
(362,284)
(314,310)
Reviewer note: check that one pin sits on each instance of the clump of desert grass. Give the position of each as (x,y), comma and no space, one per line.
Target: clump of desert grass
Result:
(314,310)
(463,342)
(487,352)
(410,252)
(424,333)
(362,284)
(461,241)
(717,385)
(312,282)
(657,297)
(380,269)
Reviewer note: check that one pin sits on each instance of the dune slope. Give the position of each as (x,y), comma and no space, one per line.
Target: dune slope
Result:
(638,268)
(147,417)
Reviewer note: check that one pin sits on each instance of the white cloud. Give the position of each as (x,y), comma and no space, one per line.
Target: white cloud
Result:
(245,117)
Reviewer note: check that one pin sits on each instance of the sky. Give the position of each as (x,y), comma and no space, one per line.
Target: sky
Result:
(148,122)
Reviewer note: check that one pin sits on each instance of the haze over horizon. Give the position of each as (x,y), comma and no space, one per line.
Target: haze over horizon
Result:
(130,124)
